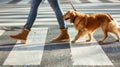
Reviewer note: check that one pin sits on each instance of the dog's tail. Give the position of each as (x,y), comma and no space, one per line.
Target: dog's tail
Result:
(114,21)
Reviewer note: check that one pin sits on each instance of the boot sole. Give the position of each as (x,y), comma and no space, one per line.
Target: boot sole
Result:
(63,40)
(22,41)
(66,40)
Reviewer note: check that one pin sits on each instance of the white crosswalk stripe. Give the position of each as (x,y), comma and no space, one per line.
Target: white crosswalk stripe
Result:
(114,0)
(4,1)
(1,32)
(87,55)
(31,52)
(95,1)
(24,2)
(74,1)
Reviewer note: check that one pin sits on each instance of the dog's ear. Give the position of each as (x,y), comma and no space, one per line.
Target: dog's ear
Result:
(72,17)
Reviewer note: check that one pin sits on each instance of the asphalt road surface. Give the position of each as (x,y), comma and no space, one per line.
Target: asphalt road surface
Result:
(39,52)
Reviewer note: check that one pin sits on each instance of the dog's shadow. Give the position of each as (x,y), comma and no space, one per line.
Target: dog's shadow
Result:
(94,43)
(107,43)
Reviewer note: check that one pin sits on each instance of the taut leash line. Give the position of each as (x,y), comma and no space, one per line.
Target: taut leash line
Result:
(72,5)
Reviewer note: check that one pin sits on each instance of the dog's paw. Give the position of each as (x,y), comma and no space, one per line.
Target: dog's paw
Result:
(100,41)
(88,40)
(117,40)
(72,41)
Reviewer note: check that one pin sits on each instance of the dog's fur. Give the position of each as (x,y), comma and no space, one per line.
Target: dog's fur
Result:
(87,23)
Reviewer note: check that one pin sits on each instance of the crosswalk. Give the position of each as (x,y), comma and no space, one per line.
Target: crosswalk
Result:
(85,57)
(39,52)
(31,53)
(62,1)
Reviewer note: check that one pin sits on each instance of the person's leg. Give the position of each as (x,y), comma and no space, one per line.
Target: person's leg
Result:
(64,36)
(55,4)
(31,18)
(32,13)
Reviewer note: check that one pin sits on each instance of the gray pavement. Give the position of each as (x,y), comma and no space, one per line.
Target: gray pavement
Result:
(39,52)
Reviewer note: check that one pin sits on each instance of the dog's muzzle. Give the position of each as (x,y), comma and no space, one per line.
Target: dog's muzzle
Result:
(66,18)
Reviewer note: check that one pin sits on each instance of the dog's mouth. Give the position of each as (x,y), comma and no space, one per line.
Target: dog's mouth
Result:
(66,18)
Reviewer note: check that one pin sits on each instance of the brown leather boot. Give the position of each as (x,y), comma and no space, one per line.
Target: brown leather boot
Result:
(21,36)
(63,37)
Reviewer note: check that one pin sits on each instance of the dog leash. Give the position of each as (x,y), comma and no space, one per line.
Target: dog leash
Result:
(72,5)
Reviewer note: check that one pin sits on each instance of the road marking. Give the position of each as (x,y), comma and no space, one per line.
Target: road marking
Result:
(87,55)
(114,0)
(30,53)
(95,1)
(24,2)
(1,32)
(4,1)
(42,19)
(77,1)
(37,23)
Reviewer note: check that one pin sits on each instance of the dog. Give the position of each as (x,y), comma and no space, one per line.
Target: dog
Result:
(88,23)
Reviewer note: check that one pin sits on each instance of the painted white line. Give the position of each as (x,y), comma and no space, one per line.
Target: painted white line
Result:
(45,1)
(13,23)
(96,4)
(77,1)
(30,53)
(23,16)
(42,19)
(95,1)
(114,1)
(1,32)
(24,2)
(87,55)
(5,1)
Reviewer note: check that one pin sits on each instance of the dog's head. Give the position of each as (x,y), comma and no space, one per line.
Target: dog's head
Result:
(70,15)
(75,17)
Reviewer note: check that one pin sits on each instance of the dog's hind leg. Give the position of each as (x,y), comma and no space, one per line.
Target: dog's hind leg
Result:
(105,36)
(117,40)
(117,35)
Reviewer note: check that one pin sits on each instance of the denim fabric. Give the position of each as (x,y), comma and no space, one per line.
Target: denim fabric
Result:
(55,4)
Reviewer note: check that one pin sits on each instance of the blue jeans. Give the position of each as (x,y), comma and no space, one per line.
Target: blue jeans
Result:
(55,4)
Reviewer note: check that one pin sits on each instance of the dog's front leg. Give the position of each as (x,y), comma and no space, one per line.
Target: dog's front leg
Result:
(90,37)
(76,37)
(80,34)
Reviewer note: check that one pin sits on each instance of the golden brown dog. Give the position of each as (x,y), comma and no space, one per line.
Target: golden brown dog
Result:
(87,23)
